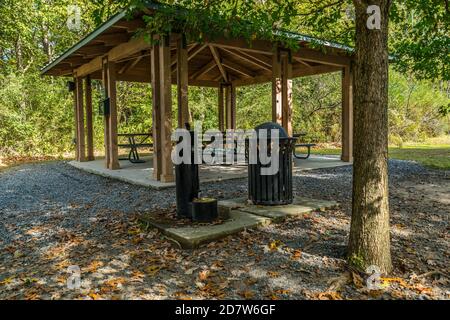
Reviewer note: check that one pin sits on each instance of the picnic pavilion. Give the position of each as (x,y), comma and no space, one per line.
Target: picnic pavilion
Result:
(113,53)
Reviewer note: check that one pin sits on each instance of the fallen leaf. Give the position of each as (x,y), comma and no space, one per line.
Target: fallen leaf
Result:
(247,294)
(329,295)
(152,270)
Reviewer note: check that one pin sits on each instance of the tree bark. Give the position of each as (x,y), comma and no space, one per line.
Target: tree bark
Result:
(369,241)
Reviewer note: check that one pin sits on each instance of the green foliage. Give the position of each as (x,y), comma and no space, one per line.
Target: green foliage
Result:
(414,109)
(36,113)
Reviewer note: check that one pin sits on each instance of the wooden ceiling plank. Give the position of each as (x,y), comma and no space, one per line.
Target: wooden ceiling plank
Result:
(112,39)
(205,69)
(130,64)
(196,50)
(237,68)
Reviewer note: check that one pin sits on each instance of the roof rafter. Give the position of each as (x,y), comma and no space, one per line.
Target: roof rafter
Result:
(216,57)
(258,62)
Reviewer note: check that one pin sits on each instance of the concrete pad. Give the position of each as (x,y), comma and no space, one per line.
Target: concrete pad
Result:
(193,236)
(142,173)
(299,207)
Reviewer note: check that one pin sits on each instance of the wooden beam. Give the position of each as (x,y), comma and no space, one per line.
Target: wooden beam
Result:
(166,111)
(156,112)
(89,120)
(347,115)
(302,62)
(216,57)
(317,56)
(252,59)
(257,46)
(119,52)
(304,72)
(182,83)
(81,138)
(112,134)
(266,47)
(237,68)
(203,70)
(296,72)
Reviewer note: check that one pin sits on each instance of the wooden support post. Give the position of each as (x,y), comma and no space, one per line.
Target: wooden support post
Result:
(156,112)
(347,115)
(276,88)
(286,94)
(106,116)
(113,145)
(89,120)
(75,115)
(81,139)
(228,107)
(233,106)
(167,174)
(221,110)
(182,82)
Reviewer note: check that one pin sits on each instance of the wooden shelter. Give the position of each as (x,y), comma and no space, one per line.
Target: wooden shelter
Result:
(112,53)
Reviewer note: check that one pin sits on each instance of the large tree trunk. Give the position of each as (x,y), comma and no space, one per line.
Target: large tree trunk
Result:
(369,242)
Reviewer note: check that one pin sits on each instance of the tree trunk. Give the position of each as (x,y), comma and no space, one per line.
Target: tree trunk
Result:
(369,241)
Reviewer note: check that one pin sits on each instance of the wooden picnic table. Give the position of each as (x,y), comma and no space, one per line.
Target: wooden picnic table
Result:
(134,144)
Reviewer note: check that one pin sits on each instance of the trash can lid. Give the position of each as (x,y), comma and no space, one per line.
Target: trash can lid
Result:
(269,126)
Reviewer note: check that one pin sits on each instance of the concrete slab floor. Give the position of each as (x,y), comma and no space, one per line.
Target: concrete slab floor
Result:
(240,216)
(142,173)
(190,237)
(299,207)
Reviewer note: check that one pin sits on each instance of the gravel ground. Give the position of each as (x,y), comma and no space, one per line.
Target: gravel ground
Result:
(54,216)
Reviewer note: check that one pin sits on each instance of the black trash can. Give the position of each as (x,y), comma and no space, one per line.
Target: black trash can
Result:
(187,185)
(274,189)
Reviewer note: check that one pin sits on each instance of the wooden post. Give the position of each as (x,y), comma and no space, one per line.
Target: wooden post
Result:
(156,112)
(233,106)
(228,107)
(286,93)
(347,115)
(276,88)
(221,108)
(106,117)
(182,82)
(81,139)
(113,147)
(89,121)
(75,115)
(166,111)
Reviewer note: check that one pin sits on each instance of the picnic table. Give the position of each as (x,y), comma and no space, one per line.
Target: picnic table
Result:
(135,141)
(302,145)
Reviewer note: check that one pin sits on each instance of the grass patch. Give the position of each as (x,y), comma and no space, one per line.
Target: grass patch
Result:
(433,153)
